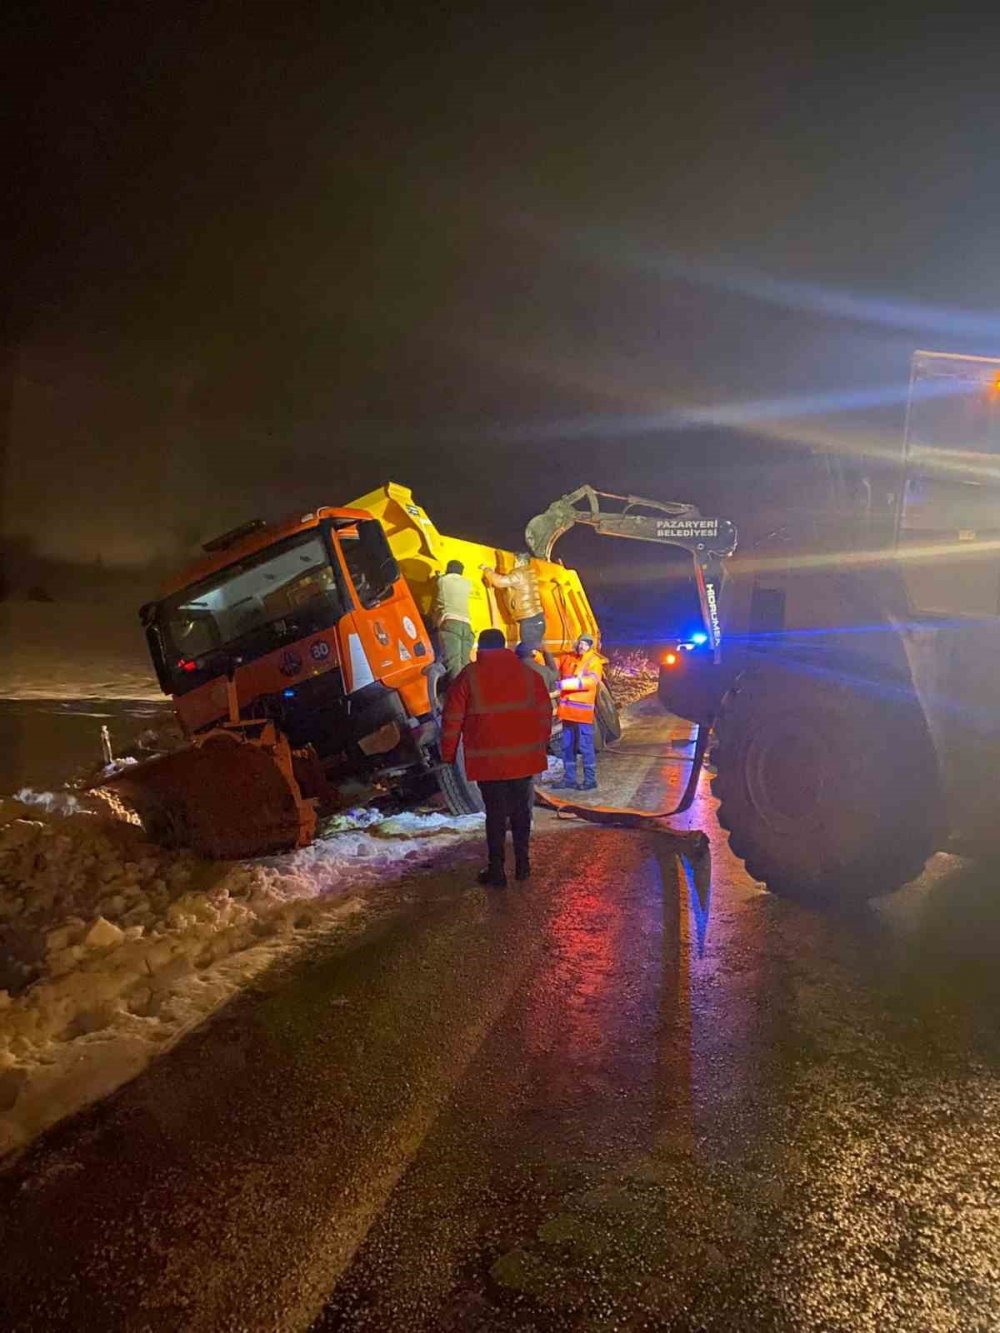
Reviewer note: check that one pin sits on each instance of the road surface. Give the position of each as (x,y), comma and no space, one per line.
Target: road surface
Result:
(602,1100)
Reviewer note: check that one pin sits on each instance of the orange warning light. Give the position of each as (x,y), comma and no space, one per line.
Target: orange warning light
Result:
(669,659)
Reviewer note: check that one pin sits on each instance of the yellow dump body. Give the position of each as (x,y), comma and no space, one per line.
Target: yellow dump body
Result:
(422,553)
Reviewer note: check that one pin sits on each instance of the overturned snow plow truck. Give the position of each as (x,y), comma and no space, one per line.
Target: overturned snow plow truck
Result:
(300,657)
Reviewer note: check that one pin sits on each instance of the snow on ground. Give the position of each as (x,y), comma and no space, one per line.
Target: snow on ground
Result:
(631,675)
(68,650)
(112,949)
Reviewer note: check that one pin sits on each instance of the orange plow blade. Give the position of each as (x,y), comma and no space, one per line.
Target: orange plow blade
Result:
(230,795)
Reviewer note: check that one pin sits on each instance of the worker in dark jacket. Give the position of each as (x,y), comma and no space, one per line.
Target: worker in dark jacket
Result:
(534,658)
(453,618)
(501,710)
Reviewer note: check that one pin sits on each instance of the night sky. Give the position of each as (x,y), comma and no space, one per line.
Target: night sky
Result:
(269,256)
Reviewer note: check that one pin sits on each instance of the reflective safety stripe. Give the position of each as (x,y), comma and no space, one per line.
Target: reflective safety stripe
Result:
(482,709)
(487,710)
(361,671)
(576,703)
(471,751)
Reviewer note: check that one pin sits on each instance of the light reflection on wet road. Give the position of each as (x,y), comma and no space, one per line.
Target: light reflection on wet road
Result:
(600,1101)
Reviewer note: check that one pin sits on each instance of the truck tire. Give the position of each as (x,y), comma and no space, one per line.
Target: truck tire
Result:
(828,792)
(461,796)
(609,723)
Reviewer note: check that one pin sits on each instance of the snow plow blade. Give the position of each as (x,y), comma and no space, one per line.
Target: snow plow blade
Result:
(231,795)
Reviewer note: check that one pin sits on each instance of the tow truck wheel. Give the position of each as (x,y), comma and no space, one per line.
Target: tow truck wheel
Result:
(828,792)
(461,796)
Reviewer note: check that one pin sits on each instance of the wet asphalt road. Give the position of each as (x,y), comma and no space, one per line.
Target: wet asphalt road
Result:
(605,1100)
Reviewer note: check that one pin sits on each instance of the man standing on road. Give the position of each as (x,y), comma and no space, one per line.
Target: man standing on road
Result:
(524,599)
(501,709)
(451,614)
(581,672)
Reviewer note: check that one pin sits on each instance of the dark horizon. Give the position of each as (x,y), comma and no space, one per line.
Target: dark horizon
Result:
(268,264)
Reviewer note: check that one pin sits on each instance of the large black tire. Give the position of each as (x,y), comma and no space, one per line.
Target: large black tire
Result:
(828,792)
(461,796)
(609,723)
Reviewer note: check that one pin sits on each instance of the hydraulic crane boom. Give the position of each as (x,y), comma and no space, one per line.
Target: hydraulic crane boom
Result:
(708,540)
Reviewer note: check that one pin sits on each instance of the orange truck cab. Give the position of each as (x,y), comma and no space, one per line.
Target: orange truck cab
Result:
(307,624)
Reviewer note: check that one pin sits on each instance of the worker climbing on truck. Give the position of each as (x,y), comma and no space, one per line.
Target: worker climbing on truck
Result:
(524,599)
(501,710)
(453,618)
(581,673)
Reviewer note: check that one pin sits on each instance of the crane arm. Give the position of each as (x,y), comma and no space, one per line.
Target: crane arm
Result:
(709,540)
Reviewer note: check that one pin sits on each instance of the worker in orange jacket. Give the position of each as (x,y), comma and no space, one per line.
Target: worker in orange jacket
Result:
(581,673)
(500,709)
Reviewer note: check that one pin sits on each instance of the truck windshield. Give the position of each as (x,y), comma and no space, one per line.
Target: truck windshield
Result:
(250,607)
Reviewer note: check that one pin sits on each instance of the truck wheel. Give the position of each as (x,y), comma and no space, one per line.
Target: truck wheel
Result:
(609,723)
(828,792)
(461,796)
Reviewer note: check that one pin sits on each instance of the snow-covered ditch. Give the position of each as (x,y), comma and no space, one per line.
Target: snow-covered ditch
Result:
(111,948)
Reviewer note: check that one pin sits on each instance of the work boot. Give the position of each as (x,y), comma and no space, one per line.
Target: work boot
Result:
(567,784)
(493,877)
(588,786)
(522,868)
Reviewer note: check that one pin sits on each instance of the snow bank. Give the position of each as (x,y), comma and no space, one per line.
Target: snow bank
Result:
(111,949)
(630,676)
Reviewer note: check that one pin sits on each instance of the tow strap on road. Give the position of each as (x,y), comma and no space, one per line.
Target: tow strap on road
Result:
(692,843)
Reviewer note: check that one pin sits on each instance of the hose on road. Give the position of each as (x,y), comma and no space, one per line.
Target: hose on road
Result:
(691,843)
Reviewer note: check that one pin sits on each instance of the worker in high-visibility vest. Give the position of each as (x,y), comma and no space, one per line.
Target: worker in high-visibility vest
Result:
(580,674)
(501,711)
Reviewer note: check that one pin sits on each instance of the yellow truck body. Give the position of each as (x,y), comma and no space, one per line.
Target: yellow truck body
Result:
(423,552)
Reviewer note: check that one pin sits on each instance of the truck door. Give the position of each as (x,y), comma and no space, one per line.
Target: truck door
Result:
(384,640)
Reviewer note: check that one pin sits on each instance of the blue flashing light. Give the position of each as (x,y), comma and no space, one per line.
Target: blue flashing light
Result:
(288,694)
(699,637)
